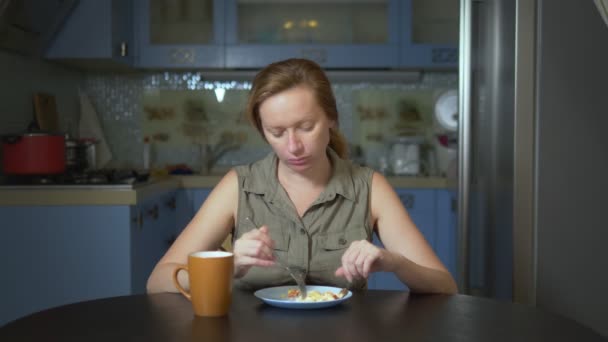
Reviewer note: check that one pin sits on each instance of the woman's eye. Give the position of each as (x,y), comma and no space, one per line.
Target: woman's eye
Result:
(307,128)
(276,134)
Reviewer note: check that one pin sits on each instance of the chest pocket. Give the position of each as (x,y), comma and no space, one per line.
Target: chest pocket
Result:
(331,247)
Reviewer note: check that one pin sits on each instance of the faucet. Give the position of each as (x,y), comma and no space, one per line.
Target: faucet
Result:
(212,153)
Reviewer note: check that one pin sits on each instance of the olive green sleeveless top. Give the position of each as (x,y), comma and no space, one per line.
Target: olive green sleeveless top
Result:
(315,241)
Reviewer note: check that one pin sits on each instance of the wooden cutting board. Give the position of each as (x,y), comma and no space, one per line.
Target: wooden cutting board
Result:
(45,108)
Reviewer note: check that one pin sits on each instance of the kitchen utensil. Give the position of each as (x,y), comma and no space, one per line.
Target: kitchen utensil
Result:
(90,127)
(45,108)
(297,273)
(33,154)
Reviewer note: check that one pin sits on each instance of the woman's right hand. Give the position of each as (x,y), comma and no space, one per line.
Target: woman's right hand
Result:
(254,248)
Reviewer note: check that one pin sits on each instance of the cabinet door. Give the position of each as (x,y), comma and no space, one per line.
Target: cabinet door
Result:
(431,33)
(185,33)
(96,30)
(334,33)
(421,206)
(153,227)
(189,201)
(447,225)
(56,255)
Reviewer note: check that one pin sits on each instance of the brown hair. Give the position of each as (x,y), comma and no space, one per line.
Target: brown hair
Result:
(290,73)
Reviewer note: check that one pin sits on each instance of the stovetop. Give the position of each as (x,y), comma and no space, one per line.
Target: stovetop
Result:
(112,178)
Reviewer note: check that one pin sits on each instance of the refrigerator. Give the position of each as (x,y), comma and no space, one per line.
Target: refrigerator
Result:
(533,155)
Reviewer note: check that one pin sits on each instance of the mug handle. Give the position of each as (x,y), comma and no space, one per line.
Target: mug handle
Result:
(176,282)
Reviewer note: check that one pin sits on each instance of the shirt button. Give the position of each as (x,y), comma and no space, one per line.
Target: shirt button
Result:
(302,231)
(342,241)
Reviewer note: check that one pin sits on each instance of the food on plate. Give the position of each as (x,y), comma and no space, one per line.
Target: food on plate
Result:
(314,296)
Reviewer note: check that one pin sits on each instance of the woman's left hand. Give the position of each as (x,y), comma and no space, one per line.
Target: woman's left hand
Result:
(362,258)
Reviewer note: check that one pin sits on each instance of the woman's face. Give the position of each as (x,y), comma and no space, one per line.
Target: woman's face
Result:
(296,127)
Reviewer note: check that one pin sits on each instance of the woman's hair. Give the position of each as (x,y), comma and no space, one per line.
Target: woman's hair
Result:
(290,73)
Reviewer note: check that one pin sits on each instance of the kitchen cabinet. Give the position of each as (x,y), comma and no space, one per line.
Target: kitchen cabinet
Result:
(334,33)
(180,34)
(447,229)
(189,202)
(430,34)
(421,206)
(55,255)
(250,34)
(96,32)
(434,213)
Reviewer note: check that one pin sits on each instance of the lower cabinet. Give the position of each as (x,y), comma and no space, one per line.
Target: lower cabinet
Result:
(431,210)
(56,255)
(190,201)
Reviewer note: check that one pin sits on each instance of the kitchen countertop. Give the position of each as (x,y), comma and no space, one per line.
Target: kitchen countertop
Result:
(132,195)
(85,195)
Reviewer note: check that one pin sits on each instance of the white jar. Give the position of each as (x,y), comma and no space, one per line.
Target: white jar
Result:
(404,155)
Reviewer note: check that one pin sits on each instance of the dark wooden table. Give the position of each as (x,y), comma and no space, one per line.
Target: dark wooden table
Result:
(367,316)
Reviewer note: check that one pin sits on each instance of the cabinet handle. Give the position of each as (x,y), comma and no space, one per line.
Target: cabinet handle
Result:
(153,212)
(408,200)
(181,56)
(171,203)
(317,55)
(139,220)
(124,51)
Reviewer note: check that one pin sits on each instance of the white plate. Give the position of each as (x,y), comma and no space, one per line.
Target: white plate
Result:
(277,296)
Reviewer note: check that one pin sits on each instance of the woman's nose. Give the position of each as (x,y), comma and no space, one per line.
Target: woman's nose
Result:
(294,143)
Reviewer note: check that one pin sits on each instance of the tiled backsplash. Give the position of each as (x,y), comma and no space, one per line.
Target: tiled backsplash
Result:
(180,112)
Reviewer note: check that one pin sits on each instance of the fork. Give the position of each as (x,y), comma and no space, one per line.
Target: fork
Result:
(297,273)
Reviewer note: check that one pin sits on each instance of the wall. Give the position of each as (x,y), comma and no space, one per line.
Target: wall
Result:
(158,104)
(21,78)
(572,162)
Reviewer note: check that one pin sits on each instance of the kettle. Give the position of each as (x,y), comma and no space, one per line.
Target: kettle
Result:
(404,155)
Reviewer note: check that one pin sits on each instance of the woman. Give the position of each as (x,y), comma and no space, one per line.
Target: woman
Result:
(314,209)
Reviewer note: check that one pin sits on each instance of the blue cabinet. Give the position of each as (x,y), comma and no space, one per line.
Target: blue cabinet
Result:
(421,206)
(447,229)
(180,34)
(434,213)
(189,202)
(153,226)
(246,34)
(96,31)
(335,34)
(430,34)
(55,255)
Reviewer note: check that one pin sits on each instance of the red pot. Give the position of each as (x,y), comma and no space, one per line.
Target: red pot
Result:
(33,154)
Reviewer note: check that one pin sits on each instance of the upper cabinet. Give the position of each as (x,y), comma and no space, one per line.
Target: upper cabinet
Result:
(96,32)
(180,33)
(430,33)
(334,33)
(249,34)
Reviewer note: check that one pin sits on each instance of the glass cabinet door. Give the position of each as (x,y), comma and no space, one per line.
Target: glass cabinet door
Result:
(185,33)
(336,33)
(431,33)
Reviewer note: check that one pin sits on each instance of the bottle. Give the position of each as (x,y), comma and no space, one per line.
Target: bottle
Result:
(146,153)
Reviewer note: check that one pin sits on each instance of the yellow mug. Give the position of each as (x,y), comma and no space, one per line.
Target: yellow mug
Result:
(210,277)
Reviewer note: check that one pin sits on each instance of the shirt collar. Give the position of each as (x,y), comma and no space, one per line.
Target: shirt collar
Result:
(263,178)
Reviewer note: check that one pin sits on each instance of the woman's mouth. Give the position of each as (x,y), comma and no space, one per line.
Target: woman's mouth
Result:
(297,161)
